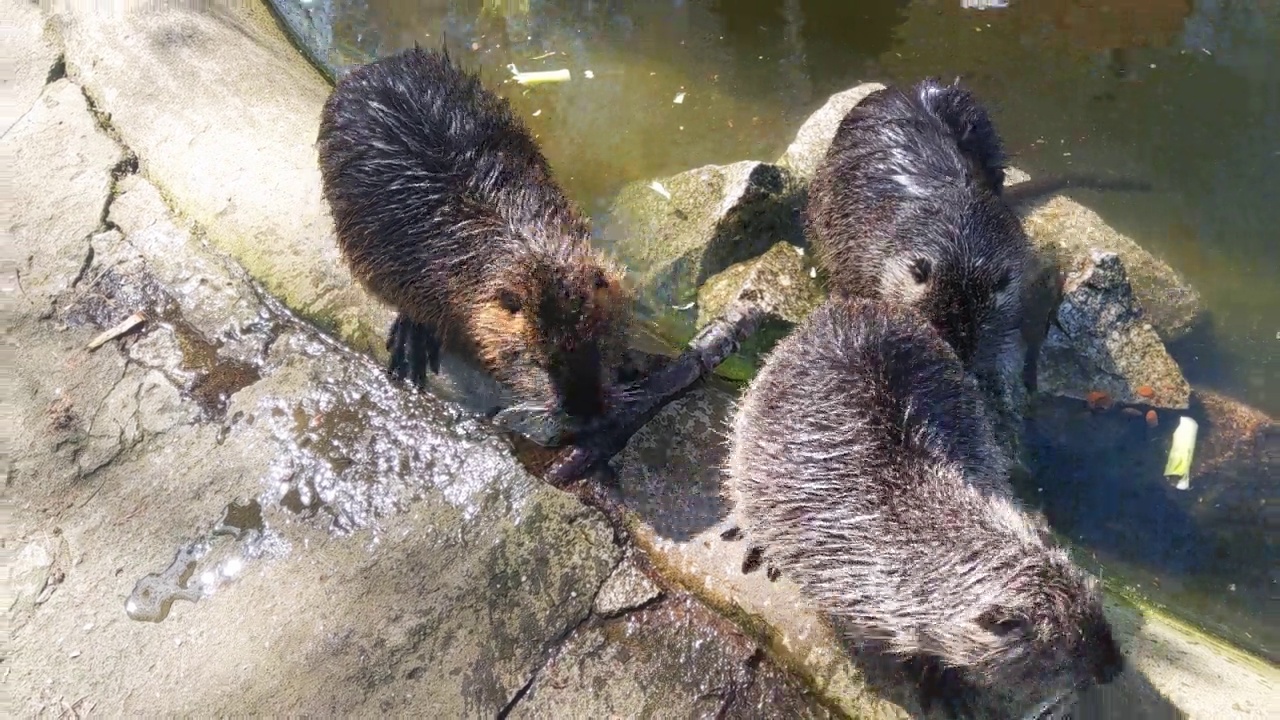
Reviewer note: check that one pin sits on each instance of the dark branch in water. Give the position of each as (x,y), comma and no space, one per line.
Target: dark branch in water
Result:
(1039,190)
(710,347)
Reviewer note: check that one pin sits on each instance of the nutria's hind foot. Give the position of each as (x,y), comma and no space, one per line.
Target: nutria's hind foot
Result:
(414,348)
(733,534)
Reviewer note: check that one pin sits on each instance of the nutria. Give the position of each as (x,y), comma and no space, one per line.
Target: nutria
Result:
(907,206)
(447,210)
(862,464)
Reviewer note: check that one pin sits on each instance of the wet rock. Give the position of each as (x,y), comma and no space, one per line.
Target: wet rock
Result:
(1102,341)
(806,151)
(626,589)
(783,269)
(31,58)
(620,668)
(716,216)
(791,290)
(1235,479)
(1067,231)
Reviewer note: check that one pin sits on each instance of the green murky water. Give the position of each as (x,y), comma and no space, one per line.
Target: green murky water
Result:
(1182,93)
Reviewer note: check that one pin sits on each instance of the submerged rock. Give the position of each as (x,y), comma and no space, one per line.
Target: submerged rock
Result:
(1101,341)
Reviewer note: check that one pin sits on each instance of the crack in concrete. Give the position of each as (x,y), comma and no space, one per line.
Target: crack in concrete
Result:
(555,647)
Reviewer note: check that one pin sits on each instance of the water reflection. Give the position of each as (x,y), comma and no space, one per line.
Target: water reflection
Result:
(1182,93)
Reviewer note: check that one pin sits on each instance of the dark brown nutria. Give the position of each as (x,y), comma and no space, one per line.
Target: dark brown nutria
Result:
(907,206)
(863,467)
(447,210)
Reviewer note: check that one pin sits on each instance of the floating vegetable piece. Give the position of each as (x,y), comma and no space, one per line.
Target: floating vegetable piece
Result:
(1181,452)
(1153,420)
(1146,391)
(660,189)
(540,77)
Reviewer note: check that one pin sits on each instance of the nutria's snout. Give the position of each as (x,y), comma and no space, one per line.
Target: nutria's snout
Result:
(1108,663)
(553,330)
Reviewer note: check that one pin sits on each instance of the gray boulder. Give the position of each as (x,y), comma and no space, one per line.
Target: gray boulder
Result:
(1068,232)
(1102,341)
(806,151)
(698,224)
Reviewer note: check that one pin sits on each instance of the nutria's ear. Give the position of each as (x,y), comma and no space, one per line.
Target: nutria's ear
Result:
(921,268)
(509,301)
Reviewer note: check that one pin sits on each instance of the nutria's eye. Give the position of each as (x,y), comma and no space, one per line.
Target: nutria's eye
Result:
(602,280)
(509,301)
(1001,624)
(1004,282)
(920,269)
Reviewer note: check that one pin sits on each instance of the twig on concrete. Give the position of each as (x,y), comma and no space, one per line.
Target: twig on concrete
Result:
(126,326)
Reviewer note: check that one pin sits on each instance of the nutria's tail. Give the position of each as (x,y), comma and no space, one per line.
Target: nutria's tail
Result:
(969,124)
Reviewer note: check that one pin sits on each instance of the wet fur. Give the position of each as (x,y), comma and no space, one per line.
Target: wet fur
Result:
(863,466)
(447,210)
(906,206)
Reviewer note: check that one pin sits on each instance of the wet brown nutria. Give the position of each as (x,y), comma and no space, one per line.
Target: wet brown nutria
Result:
(447,210)
(862,465)
(907,206)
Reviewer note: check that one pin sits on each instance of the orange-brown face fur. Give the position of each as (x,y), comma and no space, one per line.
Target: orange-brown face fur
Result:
(553,330)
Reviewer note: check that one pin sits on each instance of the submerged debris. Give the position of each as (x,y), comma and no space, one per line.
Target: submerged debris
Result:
(1181,452)
(541,76)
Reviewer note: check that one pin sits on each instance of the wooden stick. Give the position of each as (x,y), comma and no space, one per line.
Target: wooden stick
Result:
(711,346)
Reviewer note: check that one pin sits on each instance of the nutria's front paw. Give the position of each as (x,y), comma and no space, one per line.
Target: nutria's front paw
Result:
(415,349)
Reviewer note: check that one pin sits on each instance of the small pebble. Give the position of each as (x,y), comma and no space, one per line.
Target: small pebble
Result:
(74,654)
